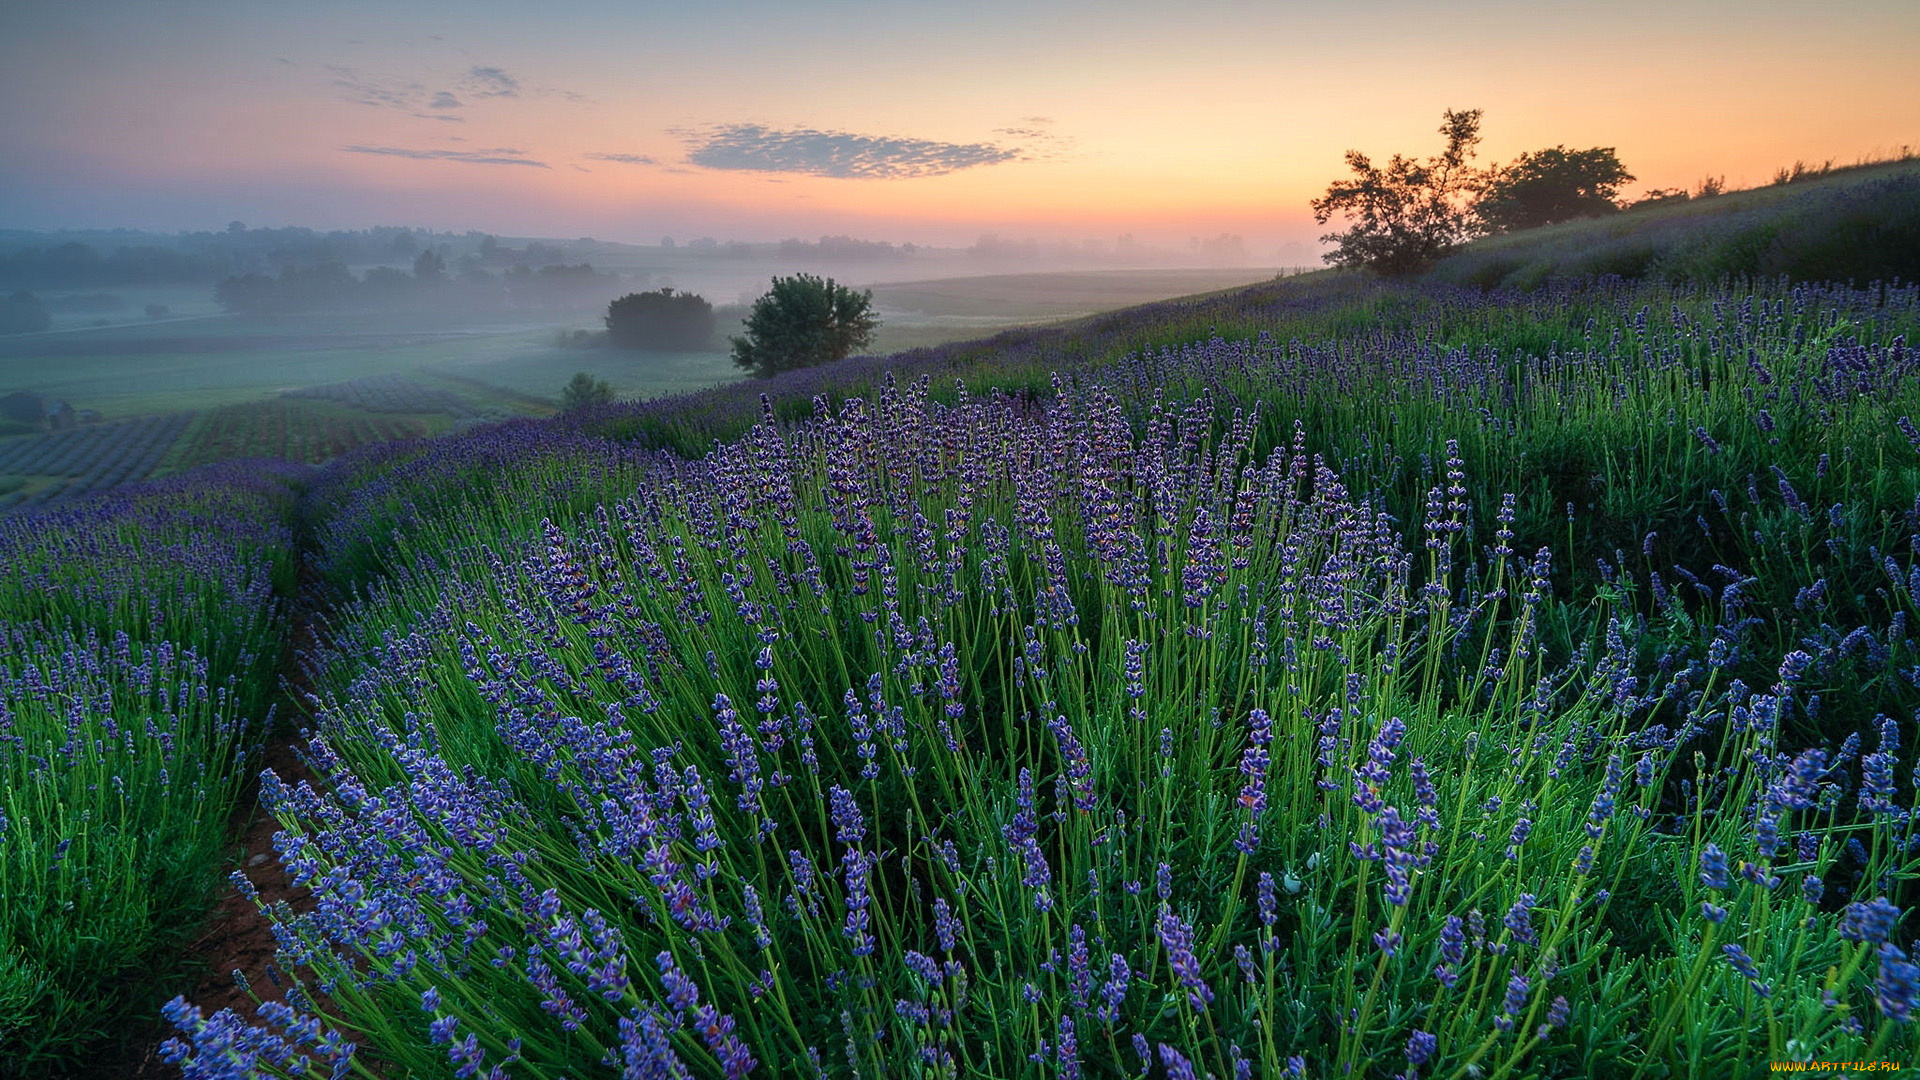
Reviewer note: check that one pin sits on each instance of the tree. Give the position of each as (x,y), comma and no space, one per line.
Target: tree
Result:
(24,313)
(429,266)
(1409,214)
(584,390)
(1412,212)
(1550,186)
(804,321)
(662,319)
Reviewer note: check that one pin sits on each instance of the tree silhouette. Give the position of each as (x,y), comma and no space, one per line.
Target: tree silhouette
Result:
(1550,186)
(804,321)
(1410,213)
(584,390)
(662,319)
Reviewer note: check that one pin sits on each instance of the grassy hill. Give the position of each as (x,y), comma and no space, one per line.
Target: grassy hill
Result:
(1857,224)
(1331,677)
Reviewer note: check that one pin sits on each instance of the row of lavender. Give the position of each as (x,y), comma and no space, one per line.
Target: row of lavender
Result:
(1111,730)
(389,393)
(90,458)
(139,634)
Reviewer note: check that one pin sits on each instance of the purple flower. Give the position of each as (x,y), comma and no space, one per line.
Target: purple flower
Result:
(1713,867)
(849,826)
(1870,921)
(1519,920)
(1899,980)
(1177,937)
(1113,992)
(1420,1047)
(1178,1067)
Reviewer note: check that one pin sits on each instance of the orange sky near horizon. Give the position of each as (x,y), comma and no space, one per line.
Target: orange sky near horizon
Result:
(741,120)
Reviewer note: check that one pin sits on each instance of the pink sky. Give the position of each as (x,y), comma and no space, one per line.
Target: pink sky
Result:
(893,121)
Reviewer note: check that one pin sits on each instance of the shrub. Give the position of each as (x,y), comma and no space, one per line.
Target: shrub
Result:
(662,319)
(802,321)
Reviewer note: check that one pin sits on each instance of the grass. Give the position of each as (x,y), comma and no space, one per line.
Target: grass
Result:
(1326,678)
(1860,224)
(141,635)
(1269,672)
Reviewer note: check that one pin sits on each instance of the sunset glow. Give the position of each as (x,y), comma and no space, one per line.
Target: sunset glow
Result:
(1072,122)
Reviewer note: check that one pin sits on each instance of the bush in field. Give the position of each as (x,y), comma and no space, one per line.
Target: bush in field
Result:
(24,313)
(662,319)
(1551,186)
(585,390)
(804,321)
(1409,214)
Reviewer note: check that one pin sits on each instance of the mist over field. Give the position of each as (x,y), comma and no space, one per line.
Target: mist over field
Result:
(153,353)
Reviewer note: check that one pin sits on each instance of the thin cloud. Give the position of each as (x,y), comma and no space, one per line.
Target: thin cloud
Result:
(1036,142)
(499,156)
(489,82)
(444,100)
(622,159)
(839,154)
(391,93)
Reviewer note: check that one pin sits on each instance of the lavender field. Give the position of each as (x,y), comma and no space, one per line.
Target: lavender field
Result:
(1334,678)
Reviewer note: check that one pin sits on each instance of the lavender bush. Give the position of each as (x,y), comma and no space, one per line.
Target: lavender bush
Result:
(139,634)
(1223,708)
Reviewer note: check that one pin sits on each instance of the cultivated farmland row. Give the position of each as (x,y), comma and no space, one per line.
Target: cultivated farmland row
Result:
(289,430)
(389,394)
(89,458)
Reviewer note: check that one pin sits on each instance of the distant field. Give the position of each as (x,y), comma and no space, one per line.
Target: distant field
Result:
(916,314)
(306,388)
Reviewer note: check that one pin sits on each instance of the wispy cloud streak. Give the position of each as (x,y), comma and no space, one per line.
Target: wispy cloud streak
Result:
(468,157)
(490,82)
(753,148)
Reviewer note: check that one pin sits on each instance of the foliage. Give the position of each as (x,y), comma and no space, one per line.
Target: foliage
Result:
(1409,214)
(1240,698)
(139,638)
(804,321)
(91,457)
(583,391)
(329,285)
(662,319)
(24,313)
(1550,186)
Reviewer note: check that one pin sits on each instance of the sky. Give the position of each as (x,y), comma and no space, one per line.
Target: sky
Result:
(896,120)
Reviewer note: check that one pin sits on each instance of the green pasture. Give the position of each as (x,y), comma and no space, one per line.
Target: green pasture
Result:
(201,359)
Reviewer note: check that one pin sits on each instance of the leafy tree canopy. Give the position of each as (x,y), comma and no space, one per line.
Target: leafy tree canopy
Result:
(584,390)
(662,319)
(1550,186)
(1410,213)
(802,321)
(23,313)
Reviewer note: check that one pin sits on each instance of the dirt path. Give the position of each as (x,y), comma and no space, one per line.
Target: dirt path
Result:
(237,937)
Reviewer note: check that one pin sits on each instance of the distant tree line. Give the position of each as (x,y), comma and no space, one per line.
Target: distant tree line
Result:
(75,265)
(24,313)
(844,249)
(332,286)
(84,260)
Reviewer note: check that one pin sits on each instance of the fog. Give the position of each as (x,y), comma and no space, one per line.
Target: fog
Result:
(127,355)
